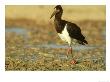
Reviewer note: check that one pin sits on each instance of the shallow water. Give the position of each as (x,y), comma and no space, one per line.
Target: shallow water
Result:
(54,46)
(23,31)
(17,30)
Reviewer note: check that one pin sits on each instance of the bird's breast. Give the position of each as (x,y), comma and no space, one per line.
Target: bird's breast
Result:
(64,35)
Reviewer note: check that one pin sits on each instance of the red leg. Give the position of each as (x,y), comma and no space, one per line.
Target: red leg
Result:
(69,50)
(73,61)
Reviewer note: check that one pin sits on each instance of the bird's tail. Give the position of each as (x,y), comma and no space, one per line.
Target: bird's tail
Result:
(83,42)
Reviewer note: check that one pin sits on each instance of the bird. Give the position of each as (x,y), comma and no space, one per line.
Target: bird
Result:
(69,32)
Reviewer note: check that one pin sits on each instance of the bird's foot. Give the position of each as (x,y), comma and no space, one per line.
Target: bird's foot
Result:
(73,61)
(69,50)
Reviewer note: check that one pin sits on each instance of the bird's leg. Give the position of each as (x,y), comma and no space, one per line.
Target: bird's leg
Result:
(69,50)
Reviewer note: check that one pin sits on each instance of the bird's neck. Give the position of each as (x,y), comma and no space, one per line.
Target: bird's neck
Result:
(58,16)
(57,22)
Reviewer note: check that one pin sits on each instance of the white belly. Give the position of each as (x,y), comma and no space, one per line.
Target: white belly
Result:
(65,35)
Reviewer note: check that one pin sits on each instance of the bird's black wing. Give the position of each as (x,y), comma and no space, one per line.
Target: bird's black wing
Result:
(75,32)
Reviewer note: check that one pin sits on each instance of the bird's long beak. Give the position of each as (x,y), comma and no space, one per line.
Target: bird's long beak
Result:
(53,14)
(55,11)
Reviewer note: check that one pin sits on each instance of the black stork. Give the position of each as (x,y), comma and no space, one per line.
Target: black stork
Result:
(67,31)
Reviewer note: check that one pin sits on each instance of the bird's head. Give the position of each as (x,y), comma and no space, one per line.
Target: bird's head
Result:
(57,11)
